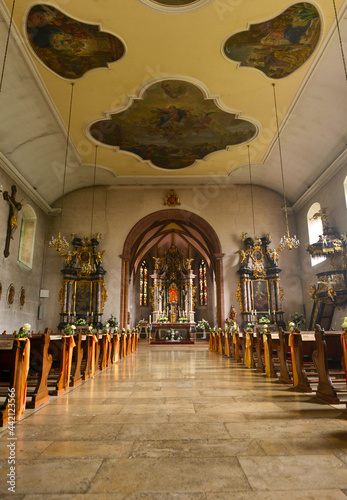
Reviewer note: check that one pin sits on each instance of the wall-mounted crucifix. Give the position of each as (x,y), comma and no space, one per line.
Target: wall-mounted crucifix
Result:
(12,223)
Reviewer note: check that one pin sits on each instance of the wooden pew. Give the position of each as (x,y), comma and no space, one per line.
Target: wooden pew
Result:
(259,362)
(269,343)
(14,363)
(40,366)
(60,349)
(283,351)
(76,368)
(249,349)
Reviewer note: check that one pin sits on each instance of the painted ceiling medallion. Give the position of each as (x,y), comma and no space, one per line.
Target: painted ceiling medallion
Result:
(175,6)
(175,2)
(279,46)
(172,125)
(67,46)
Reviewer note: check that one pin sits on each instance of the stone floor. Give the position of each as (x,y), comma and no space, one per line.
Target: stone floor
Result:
(179,422)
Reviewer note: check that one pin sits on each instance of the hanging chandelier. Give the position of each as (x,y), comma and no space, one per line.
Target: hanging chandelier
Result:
(286,242)
(60,243)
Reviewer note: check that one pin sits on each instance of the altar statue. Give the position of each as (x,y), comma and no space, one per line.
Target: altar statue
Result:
(173,294)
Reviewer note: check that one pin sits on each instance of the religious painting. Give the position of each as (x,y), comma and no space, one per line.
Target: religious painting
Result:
(69,47)
(22,296)
(10,294)
(279,46)
(83,297)
(260,296)
(26,244)
(172,126)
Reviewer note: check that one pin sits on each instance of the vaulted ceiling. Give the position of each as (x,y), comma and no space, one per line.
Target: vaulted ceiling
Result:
(172,91)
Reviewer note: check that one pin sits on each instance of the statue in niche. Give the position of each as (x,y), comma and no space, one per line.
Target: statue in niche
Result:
(12,223)
(173,294)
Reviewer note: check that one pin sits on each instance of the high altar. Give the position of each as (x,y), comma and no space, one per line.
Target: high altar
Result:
(173,292)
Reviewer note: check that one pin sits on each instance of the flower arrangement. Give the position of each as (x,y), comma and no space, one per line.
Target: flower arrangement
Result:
(264,321)
(80,322)
(24,332)
(203,326)
(124,330)
(297,319)
(235,328)
(69,329)
(163,319)
(182,319)
(105,328)
(230,322)
(344,323)
(173,335)
(293,327)
(264,329)
(249,328)
(112,321)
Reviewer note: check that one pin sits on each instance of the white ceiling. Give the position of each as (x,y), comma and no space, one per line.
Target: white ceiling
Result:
(313,113)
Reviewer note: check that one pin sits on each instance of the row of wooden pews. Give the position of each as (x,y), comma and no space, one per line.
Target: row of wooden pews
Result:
(312,362)
(44,365)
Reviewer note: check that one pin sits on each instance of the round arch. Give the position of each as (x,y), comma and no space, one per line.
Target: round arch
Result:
(196,229)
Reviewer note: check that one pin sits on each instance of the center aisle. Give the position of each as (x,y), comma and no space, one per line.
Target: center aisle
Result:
(180,422)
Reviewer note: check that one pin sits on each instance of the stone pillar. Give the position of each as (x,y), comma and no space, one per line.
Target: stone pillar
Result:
(220,289)
(124,291)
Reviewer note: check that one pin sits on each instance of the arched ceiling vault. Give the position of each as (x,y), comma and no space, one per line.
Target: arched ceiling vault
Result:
(166,108)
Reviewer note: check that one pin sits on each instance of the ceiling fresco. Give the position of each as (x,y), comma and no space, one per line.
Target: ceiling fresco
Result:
(69,47)
(279,46)
(172,126)
(174,2)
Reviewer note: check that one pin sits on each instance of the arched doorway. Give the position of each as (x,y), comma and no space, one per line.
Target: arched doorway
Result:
(158,230)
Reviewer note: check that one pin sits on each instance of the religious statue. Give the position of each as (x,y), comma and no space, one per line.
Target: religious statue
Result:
(12,224)
(173,294)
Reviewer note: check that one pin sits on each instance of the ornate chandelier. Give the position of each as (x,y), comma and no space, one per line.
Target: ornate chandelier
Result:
(286,242)
(60,243)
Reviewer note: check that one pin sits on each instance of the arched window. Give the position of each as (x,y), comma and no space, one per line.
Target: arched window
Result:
(315,229)
(143,284)
(203,283)
(27,236)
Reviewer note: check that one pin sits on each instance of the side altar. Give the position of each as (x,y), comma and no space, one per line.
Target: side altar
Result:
(173,291)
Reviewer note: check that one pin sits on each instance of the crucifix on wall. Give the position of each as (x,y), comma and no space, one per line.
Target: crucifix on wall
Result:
(12,223)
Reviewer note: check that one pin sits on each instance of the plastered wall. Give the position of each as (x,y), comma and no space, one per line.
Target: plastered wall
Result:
(118,209)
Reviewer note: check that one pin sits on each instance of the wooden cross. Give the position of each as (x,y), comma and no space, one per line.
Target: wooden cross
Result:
(12,223)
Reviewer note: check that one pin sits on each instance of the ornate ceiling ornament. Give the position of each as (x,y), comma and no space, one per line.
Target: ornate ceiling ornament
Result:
(171,199)
(279,46)
(67,46)
(172,125)
(175,6)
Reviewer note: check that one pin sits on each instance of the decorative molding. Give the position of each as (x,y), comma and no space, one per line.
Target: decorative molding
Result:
(18,178)
(19,42)
(316,60)
(175,9)
(340,162)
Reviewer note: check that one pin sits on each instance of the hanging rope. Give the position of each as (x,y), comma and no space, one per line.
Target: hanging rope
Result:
(66,154)
(6,46)
(281,160)
(340,39)
(93,196)
(251,184)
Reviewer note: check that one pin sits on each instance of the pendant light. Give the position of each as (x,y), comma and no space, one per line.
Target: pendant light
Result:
(287,242)
(60,242)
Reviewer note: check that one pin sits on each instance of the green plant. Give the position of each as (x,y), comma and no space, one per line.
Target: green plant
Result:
(112,321)
(203,326)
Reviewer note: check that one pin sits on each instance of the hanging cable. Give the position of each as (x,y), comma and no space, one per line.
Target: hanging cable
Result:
(6,46)
(340,39)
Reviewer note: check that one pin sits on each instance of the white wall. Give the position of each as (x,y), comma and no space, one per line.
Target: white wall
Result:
(11,271)
(227,208)
(332,196)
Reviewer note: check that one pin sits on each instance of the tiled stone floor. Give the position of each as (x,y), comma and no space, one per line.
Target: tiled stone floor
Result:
(179,422)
